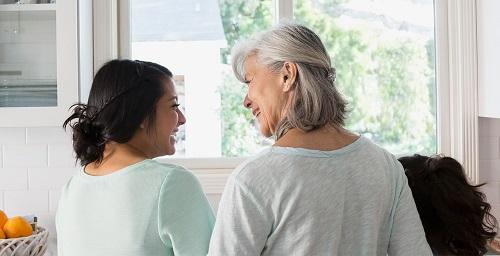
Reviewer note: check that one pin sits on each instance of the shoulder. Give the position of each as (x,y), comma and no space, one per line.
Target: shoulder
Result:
(372,152)
(254,167)
(175,178)
(167,171)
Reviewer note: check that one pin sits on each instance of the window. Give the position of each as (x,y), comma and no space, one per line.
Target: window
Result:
(194,39)
(384,55)
(384,58)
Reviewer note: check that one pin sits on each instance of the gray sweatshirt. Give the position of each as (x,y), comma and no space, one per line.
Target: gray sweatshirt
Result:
(293,201)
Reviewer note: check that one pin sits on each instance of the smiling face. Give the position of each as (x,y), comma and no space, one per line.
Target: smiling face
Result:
(266,96)
(167,121)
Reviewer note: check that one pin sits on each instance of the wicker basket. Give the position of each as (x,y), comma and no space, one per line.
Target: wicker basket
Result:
(34,245)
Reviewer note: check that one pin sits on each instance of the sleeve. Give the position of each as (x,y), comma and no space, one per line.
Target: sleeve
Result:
(185,218)
(407,234)
(242,225)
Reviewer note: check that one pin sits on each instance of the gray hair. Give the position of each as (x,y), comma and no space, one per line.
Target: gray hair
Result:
(316,101)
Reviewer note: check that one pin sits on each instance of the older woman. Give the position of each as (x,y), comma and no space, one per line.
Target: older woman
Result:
(320,189)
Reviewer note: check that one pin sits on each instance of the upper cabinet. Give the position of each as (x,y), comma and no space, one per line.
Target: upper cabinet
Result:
(488,42)
(39,61)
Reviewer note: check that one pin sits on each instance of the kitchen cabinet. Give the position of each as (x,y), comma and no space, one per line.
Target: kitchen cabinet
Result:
(39,61)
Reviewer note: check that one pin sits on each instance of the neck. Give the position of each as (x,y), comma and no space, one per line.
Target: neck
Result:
(326,138)
(116,157)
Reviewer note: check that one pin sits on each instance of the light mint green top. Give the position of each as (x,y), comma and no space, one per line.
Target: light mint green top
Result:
(147,208)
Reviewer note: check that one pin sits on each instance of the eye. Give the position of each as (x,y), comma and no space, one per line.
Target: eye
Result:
(247,82)
(176,105)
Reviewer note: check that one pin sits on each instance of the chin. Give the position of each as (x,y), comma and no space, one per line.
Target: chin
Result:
(266,133)
(170,151)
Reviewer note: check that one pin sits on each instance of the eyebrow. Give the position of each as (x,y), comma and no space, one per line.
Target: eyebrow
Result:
(173,98)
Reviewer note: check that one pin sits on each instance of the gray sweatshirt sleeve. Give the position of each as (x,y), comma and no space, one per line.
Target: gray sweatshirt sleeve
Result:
(407,235)
(242,225)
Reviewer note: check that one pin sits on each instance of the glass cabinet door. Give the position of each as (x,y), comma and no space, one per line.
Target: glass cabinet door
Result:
(40,60)
(28,66)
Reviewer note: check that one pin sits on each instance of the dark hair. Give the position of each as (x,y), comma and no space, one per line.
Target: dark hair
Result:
(455,214)
(124,93)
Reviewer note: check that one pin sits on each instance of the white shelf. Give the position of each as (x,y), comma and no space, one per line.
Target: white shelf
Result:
(27,7)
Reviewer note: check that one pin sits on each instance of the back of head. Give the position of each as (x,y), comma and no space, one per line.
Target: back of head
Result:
(316,101)
(124,93)
(455,214)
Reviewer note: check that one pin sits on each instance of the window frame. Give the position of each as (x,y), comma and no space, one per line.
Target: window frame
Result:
(456,74)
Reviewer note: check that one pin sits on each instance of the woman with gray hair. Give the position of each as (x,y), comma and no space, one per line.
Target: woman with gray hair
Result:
(320,189)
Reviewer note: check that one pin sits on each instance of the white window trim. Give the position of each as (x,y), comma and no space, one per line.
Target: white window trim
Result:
(283,10)
(456,75)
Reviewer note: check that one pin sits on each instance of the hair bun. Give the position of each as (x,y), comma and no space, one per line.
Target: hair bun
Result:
(88,136)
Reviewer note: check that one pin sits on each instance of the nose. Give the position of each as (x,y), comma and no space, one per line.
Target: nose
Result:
(247,102)
(182,118)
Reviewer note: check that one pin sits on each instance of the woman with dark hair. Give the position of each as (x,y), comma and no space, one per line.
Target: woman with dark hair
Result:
(455,214)
(122,202)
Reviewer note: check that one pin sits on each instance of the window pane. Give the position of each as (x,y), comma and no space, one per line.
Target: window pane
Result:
(383,51)
(193,39)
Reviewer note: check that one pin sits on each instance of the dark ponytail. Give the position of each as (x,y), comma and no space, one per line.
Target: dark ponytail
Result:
(88,138)
(454,213)
(124,93)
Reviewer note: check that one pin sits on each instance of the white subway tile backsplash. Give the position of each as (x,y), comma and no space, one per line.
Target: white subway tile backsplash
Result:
(24,156)
(49,178)
(26,202)
(13,178)
(47,220)
(54,199)
(492,192)
(47,135)
(61,155)
(489,147)
(1,200)
(12,135)
(489,127)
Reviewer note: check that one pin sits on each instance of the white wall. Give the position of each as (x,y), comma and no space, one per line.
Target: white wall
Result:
(34,165)
(488,39)
(489,160)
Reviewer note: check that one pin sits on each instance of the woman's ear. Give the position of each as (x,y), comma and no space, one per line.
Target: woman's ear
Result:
(289,74)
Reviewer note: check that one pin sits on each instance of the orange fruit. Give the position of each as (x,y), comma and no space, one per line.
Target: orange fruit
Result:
(17,227)
(2,234)
(3,219)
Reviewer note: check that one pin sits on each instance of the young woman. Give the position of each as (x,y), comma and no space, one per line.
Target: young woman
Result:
(122,202)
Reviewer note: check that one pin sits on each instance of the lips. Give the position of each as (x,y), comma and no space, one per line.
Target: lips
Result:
(255,112)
